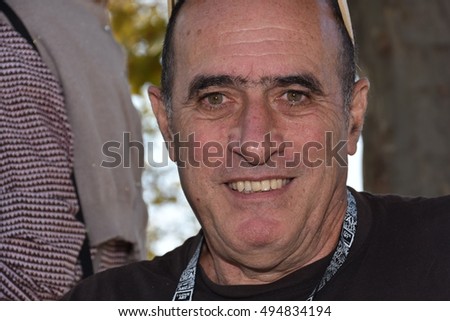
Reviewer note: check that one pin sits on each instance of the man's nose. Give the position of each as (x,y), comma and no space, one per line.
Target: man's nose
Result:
(258,134)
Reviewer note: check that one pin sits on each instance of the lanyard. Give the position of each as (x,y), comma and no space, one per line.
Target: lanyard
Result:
(185,287)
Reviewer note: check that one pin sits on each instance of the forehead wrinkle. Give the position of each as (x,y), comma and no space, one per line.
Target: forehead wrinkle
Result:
(266,29)
(242,35)
(257,41)
(275,53)
(257,29)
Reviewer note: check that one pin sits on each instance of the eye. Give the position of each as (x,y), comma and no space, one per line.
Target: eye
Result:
(217,104)
(292,100)
(215,99)
(294,97)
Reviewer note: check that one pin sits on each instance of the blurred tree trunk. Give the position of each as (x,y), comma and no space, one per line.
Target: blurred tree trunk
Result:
(404,49)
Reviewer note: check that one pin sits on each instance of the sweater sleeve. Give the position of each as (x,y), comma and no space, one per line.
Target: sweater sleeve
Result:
(40,238)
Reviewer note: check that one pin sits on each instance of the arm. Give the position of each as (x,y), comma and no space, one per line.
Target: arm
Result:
(39,236)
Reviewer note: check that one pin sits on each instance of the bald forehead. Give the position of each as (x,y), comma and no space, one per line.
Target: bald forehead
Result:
(237,20)
(287,28)
(248,14)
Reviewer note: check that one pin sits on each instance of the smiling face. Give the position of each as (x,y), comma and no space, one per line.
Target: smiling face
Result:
(256,87)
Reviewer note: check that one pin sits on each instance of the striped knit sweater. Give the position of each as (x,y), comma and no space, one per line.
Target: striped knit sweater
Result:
(40,238)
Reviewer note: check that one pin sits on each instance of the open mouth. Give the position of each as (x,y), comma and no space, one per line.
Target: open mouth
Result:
(259,186)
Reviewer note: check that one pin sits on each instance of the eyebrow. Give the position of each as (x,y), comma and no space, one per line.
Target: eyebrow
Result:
(202,82)
(306,80)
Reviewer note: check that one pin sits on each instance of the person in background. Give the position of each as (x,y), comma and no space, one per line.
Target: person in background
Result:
(260,107)
(63,94)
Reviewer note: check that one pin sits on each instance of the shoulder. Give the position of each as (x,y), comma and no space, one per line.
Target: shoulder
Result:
(395,205)
(145,280)
(419,218)
(401,251)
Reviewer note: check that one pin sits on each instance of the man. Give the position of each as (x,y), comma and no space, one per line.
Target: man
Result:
(63,94)
(260,108)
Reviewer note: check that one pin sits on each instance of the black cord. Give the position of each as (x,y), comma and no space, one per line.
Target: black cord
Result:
(17,23)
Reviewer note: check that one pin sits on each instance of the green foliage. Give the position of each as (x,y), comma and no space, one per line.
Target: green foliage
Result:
(140,29)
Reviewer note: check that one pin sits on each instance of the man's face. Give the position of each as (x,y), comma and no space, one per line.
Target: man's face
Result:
(255,93)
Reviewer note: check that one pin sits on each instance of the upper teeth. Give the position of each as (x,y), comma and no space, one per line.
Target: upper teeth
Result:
(258,186)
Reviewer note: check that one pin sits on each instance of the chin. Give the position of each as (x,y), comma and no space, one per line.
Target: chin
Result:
(257,233)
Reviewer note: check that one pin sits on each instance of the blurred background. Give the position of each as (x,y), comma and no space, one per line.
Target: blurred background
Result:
(404,49)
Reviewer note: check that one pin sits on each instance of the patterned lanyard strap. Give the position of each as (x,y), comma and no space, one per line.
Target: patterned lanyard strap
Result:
(185,287)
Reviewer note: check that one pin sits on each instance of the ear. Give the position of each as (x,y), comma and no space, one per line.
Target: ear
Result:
(357,112)
(159,109)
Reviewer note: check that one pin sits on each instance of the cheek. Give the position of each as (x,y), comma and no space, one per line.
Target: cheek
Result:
(201,154)
(316,142)
(304,135)
(211,142)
